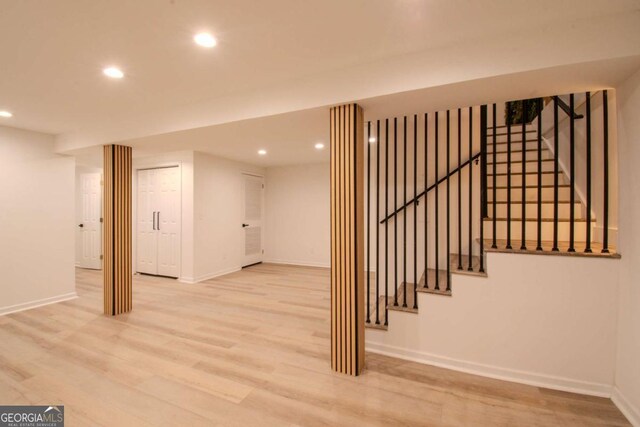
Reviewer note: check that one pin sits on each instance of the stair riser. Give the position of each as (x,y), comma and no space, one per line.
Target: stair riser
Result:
(531,194)
(514,137)
(532,231)
(517,167)
(531,210)
(517,156)
(531,179)
(515,146)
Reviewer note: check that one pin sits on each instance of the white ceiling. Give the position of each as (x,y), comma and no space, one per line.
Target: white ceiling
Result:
(289,138)
(273,57)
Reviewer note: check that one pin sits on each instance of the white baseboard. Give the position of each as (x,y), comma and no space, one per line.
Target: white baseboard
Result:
(301,263)
(629,411)
(523,377)
(191,280)
(38,303)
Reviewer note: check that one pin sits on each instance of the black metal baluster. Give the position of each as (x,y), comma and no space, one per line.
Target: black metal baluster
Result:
(555,174)
(459,189)
(395,207)
(539,245)
(437,287)
(483,181)
(494,244)
(572,169)
(605,217)
(415,211)
(448,203)
(523,246)
(509,176)
(404,223)
(378,223)
(587,248)
(368,223)
(470,267)
(386,223)
(426,201)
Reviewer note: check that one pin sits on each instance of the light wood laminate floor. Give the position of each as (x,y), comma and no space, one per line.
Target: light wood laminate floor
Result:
(250,348)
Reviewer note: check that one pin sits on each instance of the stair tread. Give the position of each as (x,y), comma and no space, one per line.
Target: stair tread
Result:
(504,187)
(519,219)
(562,202)
(475,265)
(548,245)
(518,161)
(533,150)
(520,173)
(512,126)
(410,298)
(431,282)
(517,141)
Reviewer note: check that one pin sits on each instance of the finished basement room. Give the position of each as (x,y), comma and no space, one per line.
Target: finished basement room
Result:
(351,212)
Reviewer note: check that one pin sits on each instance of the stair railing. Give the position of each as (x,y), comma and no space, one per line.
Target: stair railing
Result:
(405,247)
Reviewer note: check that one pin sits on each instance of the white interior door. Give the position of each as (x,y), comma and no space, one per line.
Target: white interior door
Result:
(158,221)
(252,224)
(90,227)
(146,236)
(168,221)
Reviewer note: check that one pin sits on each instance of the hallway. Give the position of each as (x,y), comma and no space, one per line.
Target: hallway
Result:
(248,348)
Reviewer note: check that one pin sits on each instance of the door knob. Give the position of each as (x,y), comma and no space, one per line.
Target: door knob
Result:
(80,225)
(245,225)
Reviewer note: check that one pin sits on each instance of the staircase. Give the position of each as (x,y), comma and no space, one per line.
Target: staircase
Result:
(506,186)
(498,186)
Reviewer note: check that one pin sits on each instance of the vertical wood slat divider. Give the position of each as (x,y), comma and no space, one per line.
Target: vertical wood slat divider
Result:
(117,272)
(347,239)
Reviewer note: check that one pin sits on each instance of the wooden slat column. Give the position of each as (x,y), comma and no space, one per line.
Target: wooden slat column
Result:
(347,239)
(117,230)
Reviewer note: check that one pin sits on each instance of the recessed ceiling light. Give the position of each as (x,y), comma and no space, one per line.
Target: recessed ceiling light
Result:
(205,40)
(262,152)
(5,114)
(113,72)
(372,139)
(319,146)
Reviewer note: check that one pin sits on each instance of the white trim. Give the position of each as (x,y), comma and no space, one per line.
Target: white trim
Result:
(300,263)
(37,303)
(523,377)
(192,281)
(627,409)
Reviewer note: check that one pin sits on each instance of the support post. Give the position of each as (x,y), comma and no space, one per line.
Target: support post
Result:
(347,239)
(117,269)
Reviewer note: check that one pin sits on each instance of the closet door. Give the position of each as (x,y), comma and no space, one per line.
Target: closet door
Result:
(168,221)
(146,225)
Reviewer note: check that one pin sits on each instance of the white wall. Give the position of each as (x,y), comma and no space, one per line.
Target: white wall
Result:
(627,394)
(218,215)
(298,230)
(554,325)
(36,221)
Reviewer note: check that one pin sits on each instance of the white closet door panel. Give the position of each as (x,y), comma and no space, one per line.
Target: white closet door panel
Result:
(146,224)
(168,208)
